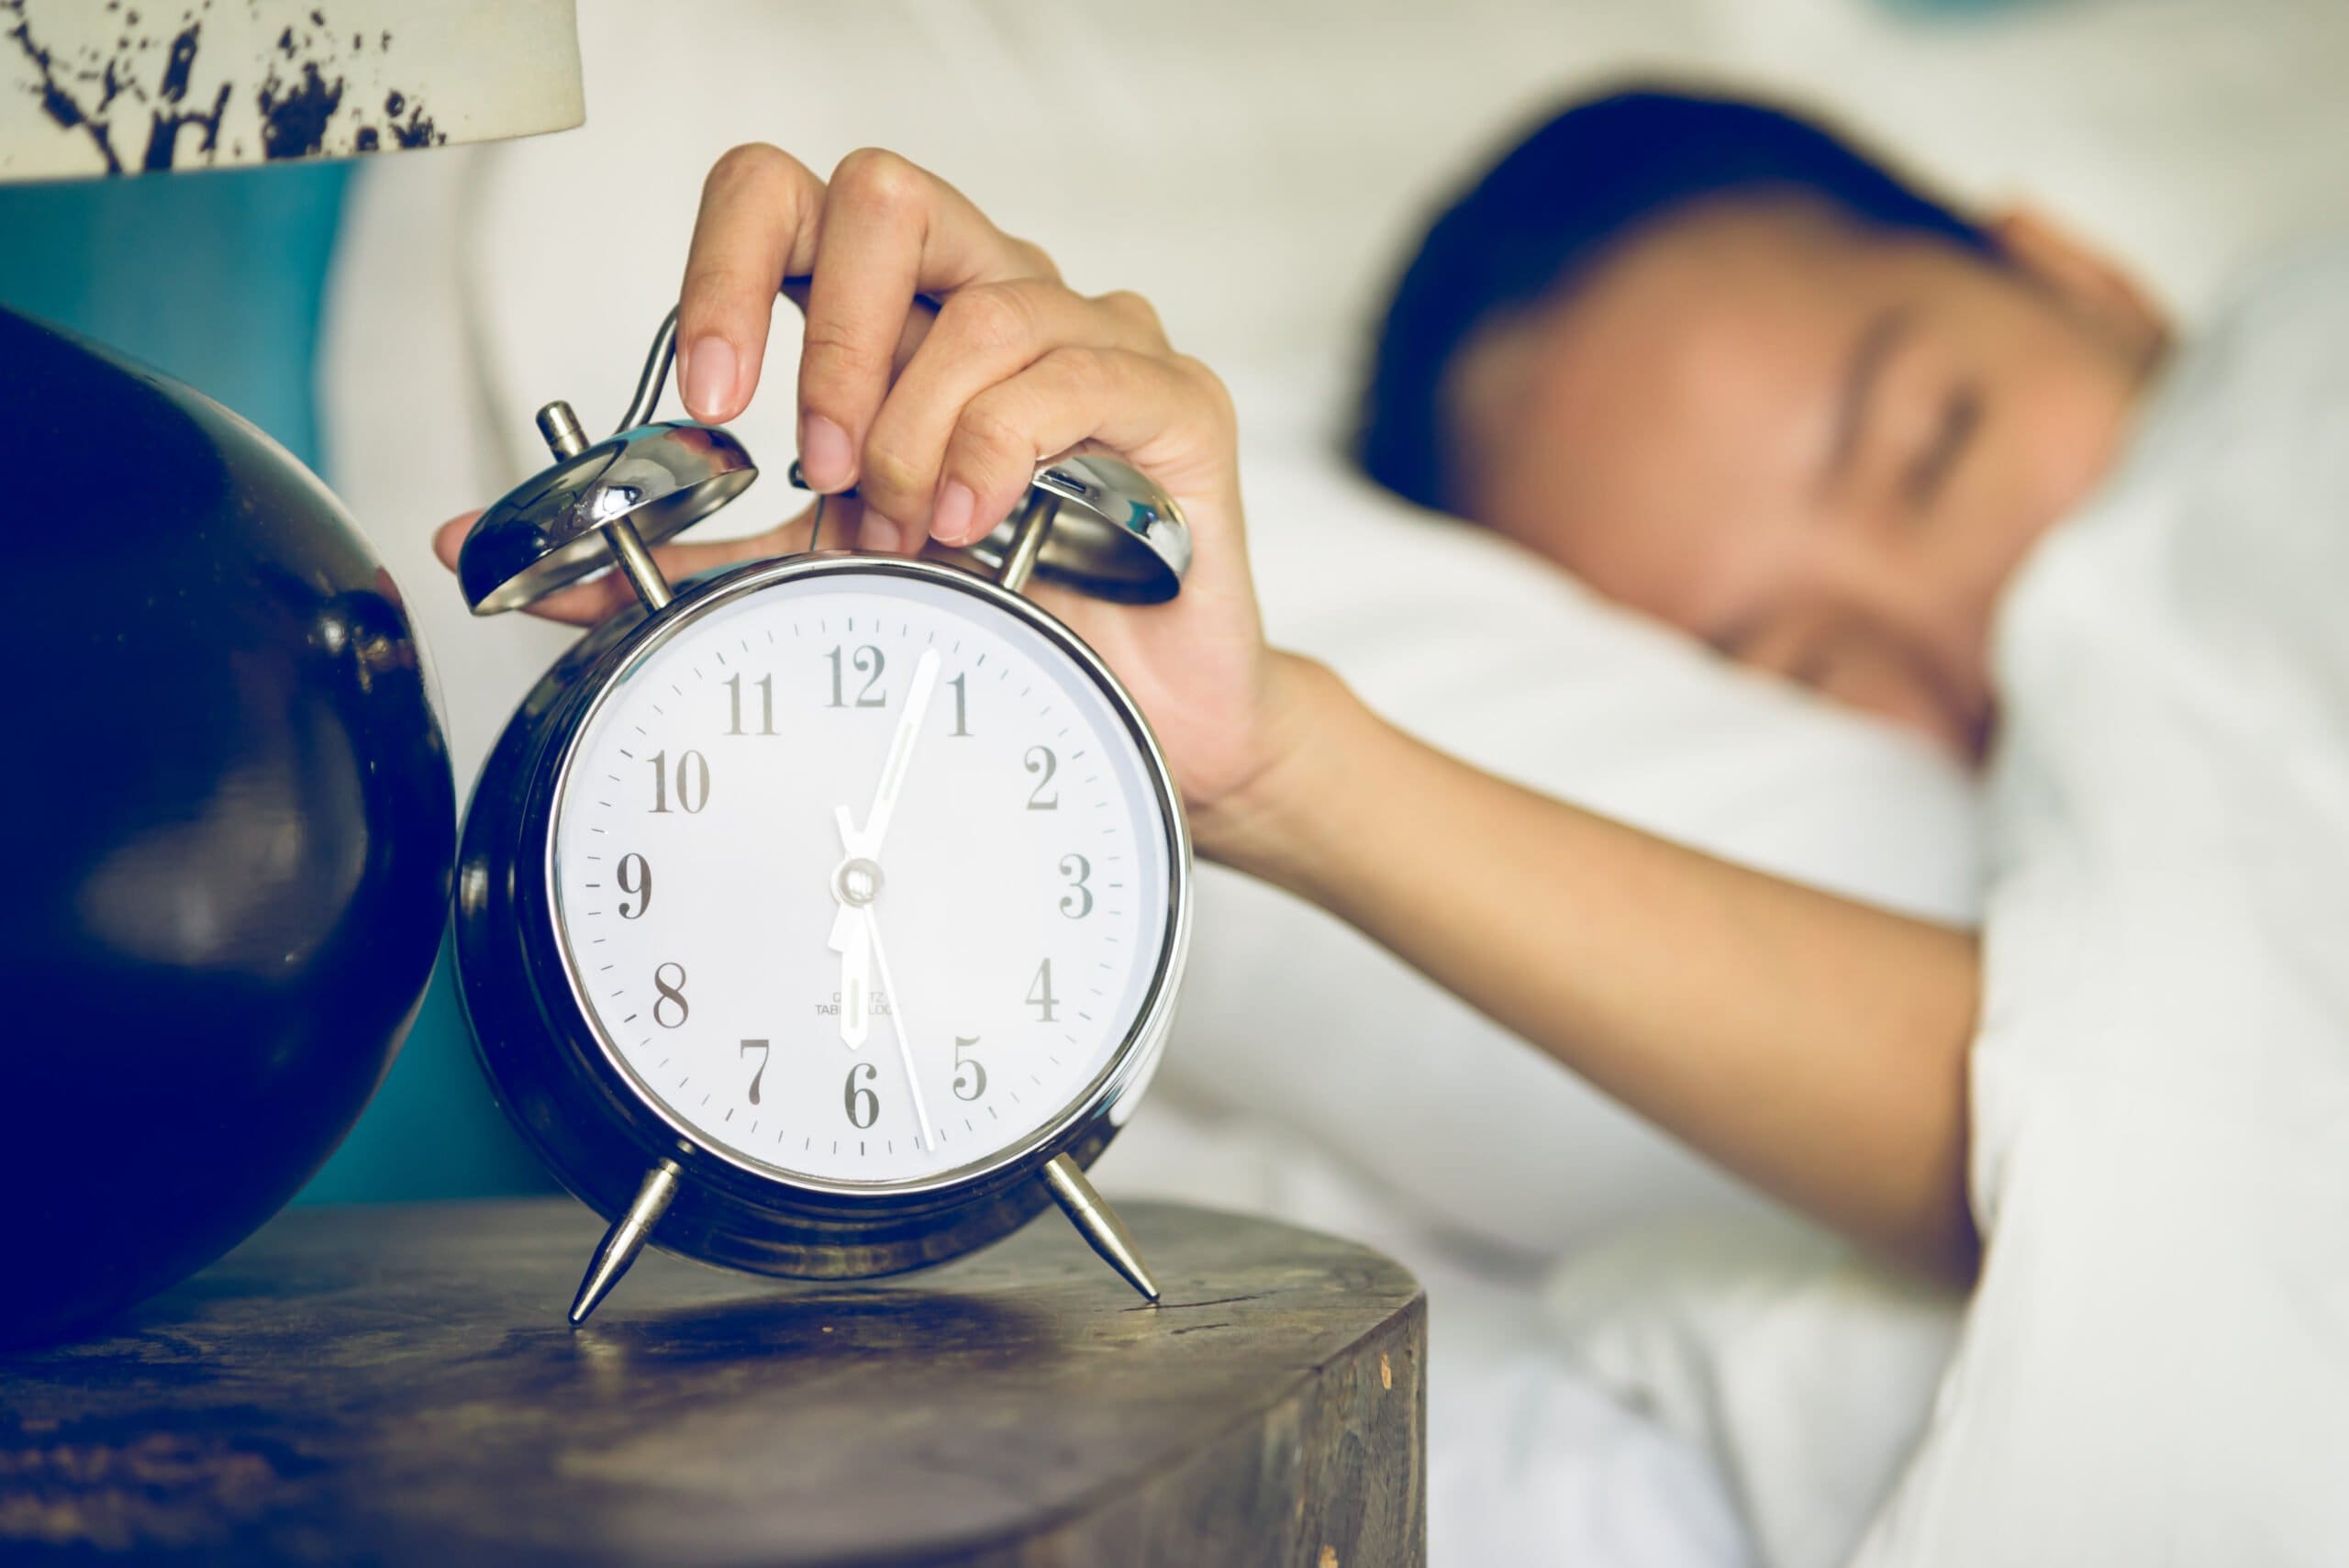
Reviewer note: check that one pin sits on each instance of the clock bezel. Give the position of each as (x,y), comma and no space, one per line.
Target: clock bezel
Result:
(1108,1085)
(595,1124)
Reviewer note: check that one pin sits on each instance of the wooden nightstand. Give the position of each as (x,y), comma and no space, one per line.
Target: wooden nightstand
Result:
(395,1385)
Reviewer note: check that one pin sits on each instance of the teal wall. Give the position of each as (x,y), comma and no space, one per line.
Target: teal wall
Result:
(216,278)
(219,279)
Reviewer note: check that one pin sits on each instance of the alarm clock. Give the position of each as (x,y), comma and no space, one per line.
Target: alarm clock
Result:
(823,916)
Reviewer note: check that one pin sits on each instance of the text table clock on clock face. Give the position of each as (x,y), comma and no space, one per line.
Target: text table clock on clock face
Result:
(822,918)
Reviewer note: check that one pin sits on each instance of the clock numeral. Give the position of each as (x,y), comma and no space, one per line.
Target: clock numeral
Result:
(866,662)
(962,730)
(1041,761)
(761,1046)
(1077,902)
(975,1084)
(766,705)
(636,877)
(672,994)
(693,782)
(1039,994)
(863,1104)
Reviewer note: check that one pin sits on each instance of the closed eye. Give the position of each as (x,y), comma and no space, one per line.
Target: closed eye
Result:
(1929,475)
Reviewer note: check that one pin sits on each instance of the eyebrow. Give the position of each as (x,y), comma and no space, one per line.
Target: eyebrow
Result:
(1869,352)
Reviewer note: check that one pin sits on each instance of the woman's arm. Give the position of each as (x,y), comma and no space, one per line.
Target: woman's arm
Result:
(1814,1045)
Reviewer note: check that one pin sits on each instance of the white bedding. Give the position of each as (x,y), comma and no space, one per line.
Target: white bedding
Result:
(1252,167)
(2156,1367)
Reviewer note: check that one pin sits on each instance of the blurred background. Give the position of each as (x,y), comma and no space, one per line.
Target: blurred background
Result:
(1257,169)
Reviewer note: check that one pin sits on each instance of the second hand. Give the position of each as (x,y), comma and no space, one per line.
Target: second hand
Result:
(898,1026)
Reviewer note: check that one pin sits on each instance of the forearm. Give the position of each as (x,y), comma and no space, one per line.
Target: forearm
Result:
(1813,1045)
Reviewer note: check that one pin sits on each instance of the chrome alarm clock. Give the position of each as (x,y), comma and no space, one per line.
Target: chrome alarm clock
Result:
(821,916)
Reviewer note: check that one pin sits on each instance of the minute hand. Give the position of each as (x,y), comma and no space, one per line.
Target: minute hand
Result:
(867,842)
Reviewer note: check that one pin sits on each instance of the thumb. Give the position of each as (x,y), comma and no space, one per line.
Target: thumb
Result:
(585,603)
(449,539)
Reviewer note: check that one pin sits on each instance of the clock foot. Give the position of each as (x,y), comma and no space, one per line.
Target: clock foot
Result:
(1099,1223)
(624,1240)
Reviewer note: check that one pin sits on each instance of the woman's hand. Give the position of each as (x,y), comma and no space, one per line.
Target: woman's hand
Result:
(939,420)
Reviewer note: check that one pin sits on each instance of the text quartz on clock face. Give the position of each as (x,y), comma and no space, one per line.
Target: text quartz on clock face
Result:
(1008,939)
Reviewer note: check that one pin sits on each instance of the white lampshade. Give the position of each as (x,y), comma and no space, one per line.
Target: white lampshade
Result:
(94,87)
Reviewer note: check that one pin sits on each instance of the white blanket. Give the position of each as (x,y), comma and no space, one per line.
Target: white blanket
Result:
(2155,1368)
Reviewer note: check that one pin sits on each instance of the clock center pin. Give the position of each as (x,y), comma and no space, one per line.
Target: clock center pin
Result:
(856,882)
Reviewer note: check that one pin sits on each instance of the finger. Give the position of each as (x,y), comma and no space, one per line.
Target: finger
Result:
(890,231)
(985,334)
(449,539)
(585,603)
(1135,404)
(850,524)
(909,335)
(761,209)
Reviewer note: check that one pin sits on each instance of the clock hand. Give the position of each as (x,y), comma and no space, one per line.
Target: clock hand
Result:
(893,771)
(857,979)
(849,938)
(897,1024)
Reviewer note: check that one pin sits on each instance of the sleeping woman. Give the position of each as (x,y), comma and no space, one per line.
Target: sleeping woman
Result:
(1942,468)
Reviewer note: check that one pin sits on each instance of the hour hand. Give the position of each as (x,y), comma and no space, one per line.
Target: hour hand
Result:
(852,943)
(855,948)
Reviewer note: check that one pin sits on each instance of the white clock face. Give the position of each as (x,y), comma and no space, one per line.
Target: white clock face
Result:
(862,877)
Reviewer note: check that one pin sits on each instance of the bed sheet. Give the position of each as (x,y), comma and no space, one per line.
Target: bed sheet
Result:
(1532,1459)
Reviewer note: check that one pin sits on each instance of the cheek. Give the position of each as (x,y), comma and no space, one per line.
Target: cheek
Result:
(1697,542)
(2055,421)
(2036,456)
(2064,433)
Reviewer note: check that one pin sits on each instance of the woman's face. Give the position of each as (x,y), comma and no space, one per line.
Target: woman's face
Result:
(1823,449)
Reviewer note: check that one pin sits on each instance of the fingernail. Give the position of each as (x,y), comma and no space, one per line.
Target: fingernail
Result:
(879,534)
(950,519)
(711,365)
(823,452)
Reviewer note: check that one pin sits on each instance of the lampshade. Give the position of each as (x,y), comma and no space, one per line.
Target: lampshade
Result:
(94,87)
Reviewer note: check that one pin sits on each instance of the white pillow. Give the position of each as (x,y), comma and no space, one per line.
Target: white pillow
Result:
(1494,655)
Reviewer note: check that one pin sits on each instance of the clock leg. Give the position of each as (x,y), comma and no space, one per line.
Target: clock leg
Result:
(624,1240)
(1099,1223)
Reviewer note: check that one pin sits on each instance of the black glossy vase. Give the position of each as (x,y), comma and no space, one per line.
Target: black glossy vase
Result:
(228,825)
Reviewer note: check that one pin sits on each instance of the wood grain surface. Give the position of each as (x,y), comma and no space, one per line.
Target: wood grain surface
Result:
(395,1385)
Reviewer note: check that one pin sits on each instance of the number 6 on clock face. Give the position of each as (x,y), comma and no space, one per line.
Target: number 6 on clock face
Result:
(914,869)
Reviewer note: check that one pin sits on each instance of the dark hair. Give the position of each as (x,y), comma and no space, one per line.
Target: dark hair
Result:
(1556,204)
